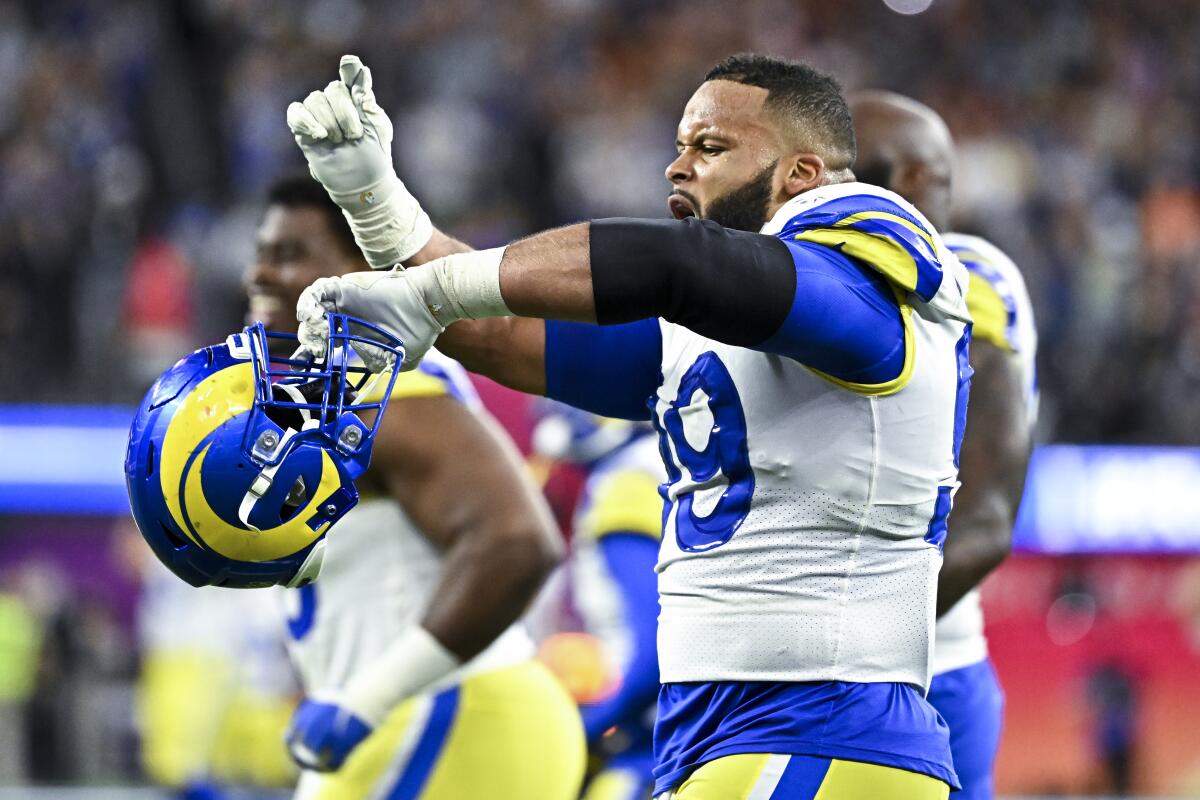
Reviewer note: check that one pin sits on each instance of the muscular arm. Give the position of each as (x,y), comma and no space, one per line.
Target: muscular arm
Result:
(802,300)
(797,299)
(995,454)
(498,538)
(509,350)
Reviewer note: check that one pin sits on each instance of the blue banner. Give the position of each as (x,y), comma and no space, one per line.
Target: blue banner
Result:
(1110,499)
(1078,499)
(63,459)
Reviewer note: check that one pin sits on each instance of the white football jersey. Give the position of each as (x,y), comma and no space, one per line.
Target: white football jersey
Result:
(1003,316)
(801,540)
(380,573)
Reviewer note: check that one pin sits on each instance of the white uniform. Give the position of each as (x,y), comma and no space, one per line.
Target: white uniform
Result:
(801,541)
(379,576)
(498,727)
(1003,316)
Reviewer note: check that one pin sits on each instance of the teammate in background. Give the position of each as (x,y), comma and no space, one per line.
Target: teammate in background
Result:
(214,691)
(799,340)
(449,537)
(617,529)
(906,147)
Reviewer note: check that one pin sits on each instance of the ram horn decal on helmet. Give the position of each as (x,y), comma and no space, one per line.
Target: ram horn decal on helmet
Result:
(239,461)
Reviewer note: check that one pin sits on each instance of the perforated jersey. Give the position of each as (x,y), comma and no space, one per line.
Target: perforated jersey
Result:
(805,514)
(380,573)
(1003,314)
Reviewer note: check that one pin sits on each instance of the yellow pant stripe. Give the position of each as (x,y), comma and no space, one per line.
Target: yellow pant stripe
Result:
(379,761)
(516,736)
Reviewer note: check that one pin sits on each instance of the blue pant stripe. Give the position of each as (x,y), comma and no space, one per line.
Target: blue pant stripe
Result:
(425,755)
(802,778)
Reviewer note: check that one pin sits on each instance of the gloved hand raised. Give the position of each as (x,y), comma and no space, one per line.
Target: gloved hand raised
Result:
(347,140)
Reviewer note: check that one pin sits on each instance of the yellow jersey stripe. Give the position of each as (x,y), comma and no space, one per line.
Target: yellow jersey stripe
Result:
(882,253)
(626,501)
(989,311)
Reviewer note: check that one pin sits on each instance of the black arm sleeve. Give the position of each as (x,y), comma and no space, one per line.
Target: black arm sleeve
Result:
(732,286)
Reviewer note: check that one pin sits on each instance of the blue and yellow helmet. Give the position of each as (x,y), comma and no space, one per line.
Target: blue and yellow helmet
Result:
(239,461)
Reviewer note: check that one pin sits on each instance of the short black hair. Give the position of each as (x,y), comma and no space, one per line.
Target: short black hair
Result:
(800,93)
(301,191)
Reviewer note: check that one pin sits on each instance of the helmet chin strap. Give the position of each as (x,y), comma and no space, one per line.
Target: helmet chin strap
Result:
(262,482)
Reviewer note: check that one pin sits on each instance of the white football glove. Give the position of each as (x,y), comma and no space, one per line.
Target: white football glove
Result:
(347,140)
(389,299)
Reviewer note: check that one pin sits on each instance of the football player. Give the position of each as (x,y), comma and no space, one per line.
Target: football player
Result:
(422,582)
(907,147)
(799,340)
(617,528)
(213,694)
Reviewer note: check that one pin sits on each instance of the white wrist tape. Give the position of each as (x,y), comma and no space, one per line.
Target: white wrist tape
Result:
(410,664)
(462,286)
(388,222)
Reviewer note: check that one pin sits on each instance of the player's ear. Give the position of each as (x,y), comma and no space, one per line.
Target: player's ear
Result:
(804,171)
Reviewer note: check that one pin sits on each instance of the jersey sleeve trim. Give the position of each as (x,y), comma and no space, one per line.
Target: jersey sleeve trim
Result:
(846,324)
(878,232)
(901,380)
(989,312)
(990,300)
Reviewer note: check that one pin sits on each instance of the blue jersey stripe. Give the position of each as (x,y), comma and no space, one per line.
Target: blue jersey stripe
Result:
(835,211)
(917,245)
(844,321)
(429,748)
(802,778)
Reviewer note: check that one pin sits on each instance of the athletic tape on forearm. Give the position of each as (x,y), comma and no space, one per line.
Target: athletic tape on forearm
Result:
(412,663)
(388,223)
(462,286)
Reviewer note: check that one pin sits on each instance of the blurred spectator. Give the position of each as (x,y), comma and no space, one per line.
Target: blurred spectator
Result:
(20,645)
(215,690)
(1080,154)
(1113,695)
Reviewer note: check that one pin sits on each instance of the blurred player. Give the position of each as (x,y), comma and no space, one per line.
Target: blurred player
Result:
(214,692)
(906,147)
(802,352)
(449,539)
(617,529)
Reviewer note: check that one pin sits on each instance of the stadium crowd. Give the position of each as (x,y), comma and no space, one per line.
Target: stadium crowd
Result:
(136,138)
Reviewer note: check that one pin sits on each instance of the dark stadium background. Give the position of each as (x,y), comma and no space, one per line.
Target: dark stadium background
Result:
(137,137)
